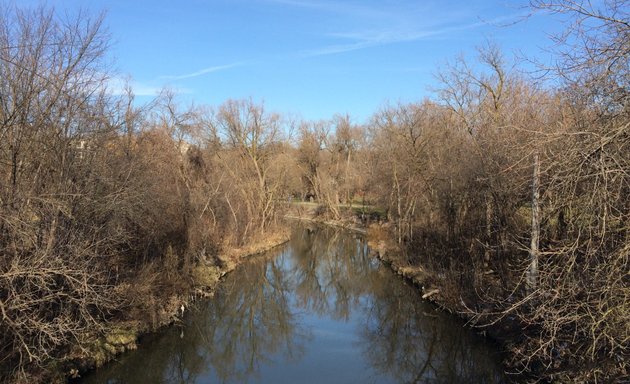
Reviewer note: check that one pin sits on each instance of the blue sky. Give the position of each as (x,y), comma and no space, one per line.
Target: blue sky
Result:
(308,58)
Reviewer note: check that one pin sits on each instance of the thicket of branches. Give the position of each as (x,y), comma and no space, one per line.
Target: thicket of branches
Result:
(513,196)
(105,205)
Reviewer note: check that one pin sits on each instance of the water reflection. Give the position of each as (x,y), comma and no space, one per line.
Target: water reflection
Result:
(329,270)
(322,310)
(251,322)
(415,343)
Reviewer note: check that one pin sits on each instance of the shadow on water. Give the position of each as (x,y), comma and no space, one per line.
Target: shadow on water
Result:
(322,310)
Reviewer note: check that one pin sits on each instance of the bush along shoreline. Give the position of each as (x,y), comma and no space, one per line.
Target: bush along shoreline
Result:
(122,336)
(477,295)
(501,320)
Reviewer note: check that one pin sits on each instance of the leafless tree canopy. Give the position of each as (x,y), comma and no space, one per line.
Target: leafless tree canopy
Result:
(534,187)
(511,196)
(106,206)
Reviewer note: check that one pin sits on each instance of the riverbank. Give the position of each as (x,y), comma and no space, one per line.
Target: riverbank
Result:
(482,309)
(434,287)
(379,240)
(384,249)
(310,212)
(94,351)
(439,289)
(319,304)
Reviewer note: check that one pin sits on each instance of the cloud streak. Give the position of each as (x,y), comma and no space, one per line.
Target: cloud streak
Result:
(399,22)
(118,86)
(363,40)
(202,72)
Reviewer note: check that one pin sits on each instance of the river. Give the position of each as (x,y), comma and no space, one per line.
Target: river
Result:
(319,310)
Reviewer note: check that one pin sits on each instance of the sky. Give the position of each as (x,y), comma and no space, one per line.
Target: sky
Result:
(310,59)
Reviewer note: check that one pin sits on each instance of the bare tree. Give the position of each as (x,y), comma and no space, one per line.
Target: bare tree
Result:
(52,100)
(253,137)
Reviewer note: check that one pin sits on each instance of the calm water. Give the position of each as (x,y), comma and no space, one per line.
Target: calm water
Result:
(320,310)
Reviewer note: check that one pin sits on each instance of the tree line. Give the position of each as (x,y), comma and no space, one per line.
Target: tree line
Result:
(512,193)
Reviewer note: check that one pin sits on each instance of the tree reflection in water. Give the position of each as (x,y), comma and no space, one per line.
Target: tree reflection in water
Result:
(415,343)
(251,322)
(268,318)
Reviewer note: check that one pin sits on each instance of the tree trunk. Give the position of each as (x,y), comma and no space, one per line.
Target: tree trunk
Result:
(532,273)
(489,228)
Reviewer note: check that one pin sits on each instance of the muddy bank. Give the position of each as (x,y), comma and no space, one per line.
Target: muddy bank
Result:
(389,253)
(310,212)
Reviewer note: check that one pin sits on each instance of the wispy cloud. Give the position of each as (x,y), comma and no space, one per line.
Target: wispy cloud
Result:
(145,90)
(378,23)
(368,39)
(202,71)
(117,86)
(120,85)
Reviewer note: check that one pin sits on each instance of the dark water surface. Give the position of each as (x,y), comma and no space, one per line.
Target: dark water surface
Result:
(319,310)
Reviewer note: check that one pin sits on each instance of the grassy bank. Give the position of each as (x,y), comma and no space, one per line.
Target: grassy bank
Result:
(163,307)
